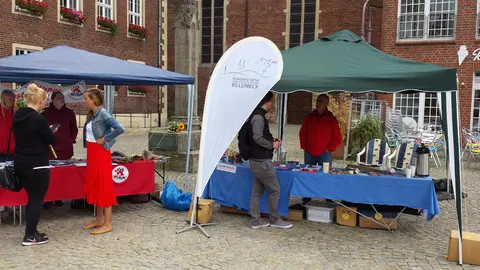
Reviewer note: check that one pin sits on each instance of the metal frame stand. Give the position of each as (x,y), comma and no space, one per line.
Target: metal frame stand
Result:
(194,217)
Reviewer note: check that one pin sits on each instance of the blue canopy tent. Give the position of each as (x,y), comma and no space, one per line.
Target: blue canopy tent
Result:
(66,65)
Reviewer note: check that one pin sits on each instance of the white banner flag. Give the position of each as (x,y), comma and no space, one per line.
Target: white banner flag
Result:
(72,93)
(242,77)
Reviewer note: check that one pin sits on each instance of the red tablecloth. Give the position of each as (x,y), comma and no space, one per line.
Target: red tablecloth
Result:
(67,183)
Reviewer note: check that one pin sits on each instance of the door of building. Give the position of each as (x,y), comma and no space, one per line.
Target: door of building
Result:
(299,106)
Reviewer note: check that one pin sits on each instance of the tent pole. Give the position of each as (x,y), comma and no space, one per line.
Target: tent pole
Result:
(191,93)
(109,96)
(279,120)
(347,144)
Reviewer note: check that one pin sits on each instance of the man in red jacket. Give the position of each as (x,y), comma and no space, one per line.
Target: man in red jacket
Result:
(58,113)
(320,134)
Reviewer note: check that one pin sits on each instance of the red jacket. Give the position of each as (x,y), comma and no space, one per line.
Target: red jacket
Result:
(67,132)
(6,119)
(320,133)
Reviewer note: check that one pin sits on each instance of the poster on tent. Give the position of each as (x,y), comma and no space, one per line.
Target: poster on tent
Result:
(242,77)
(72,93)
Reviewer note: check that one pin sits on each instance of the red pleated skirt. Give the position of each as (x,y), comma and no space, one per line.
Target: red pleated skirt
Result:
(99,189)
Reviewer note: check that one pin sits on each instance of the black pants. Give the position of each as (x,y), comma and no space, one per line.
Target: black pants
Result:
(36,184)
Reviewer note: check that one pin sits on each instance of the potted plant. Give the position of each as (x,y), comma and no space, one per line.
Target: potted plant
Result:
(366,129)
(72,15)
(110,25)
(138,89)
(33,6)
(137,30)
(340,107)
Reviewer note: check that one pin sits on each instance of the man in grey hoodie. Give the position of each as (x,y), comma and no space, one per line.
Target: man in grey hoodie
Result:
(263,145)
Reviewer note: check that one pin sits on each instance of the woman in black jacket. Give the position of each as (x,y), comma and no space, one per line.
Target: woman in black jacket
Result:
(33,137)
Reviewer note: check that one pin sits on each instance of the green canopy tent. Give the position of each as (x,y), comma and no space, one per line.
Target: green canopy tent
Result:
(345,62)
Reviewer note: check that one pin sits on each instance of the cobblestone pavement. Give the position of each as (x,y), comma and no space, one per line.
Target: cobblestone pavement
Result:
(144,237)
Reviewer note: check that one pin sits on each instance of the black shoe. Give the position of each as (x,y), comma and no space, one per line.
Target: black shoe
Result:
(34,240)
(40,234)
(59,203)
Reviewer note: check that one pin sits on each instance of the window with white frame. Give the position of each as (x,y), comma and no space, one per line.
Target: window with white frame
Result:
(303,16)
(212,30)
(478,18)
(21,50)
(73,4)
(422,107)
(135,12)
(426,19)
(475,123)
(105,9)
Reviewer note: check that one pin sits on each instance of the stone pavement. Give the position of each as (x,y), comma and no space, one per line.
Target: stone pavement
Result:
(144,237)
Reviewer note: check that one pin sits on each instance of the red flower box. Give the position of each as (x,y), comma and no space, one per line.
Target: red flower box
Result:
(33,6)
(138,89)
(73,15)
(112,25)
(137,30)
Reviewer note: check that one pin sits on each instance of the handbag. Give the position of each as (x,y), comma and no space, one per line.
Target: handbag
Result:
(8,179)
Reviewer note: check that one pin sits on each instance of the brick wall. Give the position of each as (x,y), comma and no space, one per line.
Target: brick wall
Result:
(48,32)
(439,53)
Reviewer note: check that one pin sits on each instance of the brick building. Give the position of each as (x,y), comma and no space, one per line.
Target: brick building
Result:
(433,31)
(25,32)
(288,23)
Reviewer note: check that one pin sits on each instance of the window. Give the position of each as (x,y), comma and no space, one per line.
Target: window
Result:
(212,30)
(478,19)
(73,4)
(19,49)
(136,90)
(476,104)
(105,9)
(422,107)
(426,19)
(135,11)
(303,22)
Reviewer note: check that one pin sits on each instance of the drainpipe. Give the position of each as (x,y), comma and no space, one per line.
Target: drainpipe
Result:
(159,61)
(362,34)
(246,18)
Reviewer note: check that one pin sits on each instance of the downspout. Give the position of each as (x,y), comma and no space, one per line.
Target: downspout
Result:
(159,61)
(362,34)
(246,18)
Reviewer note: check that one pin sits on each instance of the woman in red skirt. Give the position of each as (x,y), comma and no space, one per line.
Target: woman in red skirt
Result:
(99,135)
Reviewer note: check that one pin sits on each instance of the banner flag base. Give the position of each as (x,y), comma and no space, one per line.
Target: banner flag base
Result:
(198,226)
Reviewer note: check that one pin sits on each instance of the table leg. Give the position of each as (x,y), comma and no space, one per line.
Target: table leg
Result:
(163,174)
(14,216)
(20,214)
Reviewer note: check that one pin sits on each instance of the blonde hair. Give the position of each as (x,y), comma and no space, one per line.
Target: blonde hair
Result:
(96,95)
(35,95)
(3,96)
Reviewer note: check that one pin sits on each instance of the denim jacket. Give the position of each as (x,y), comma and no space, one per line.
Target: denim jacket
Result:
(103,126)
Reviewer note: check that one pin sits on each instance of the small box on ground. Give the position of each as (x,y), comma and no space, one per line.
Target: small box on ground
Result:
(347,217)
(470,248)
(205,211)
(382,218)
(320,211)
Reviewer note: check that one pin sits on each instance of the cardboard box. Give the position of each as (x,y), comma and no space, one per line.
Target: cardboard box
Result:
(205,211)
(346,216)
(470,248)
(382,217)
(293,214)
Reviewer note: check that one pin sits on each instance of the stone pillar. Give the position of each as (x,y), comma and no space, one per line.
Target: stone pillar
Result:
(187,55)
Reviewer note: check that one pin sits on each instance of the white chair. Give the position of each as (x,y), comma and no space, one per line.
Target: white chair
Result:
(374,154)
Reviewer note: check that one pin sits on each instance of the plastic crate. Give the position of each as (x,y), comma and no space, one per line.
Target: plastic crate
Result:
(320,211)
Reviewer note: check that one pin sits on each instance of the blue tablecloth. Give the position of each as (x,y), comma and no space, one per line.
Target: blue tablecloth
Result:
(234,189)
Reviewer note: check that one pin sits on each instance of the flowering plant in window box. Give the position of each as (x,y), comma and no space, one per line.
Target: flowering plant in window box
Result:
(138,89)
(111,25)
(137,30)
(36,7)
(72,15)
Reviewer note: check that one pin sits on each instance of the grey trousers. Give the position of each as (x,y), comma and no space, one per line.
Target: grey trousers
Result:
(264,178)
